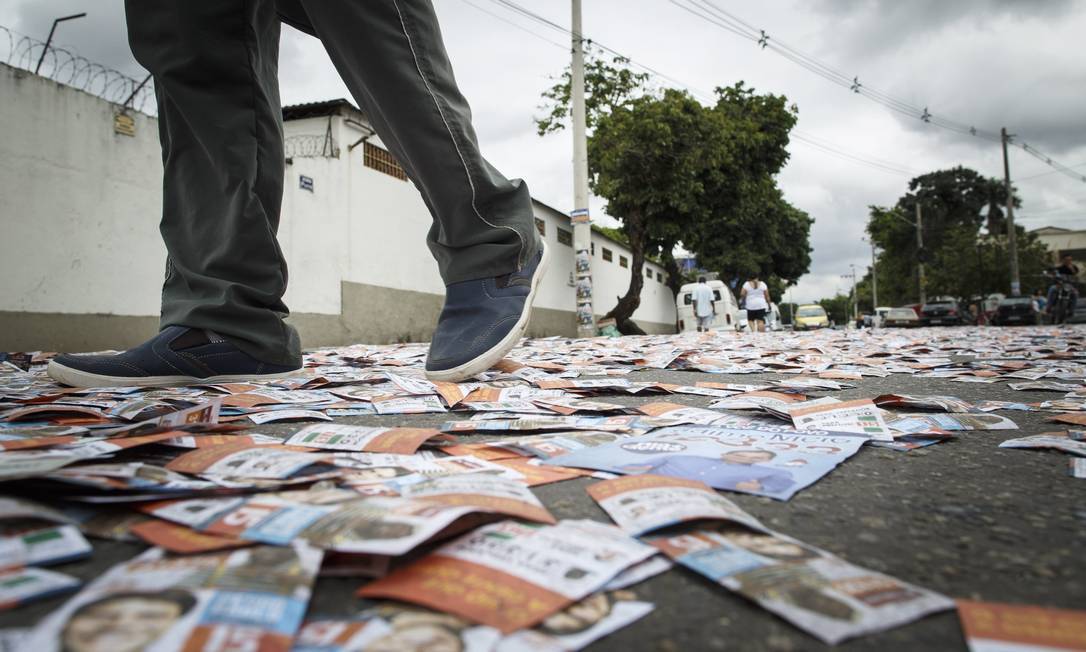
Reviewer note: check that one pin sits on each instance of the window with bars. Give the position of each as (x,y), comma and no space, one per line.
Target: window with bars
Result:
(565,237)
(623,261)
(659,277)
(607,254)
(382,160)
(648,272)
(541,226)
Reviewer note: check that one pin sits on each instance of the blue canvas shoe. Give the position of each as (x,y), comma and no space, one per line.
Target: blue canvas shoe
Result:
(176,356)
(482,320)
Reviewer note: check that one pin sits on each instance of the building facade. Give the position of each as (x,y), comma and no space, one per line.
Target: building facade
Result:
(82,260)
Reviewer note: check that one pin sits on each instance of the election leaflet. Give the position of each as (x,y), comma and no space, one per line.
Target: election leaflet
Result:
(1057,440)
(773,462)
(559,443)
(343,437)
(642,503)
(938,423)
(860,416)
(22,585)
(249,461)
(811,588)
(250,599)
(342,521)
(995,627)
(512,575)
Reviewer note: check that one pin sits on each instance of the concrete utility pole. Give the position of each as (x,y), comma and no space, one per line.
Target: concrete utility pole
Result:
(855,296)
(1012,235)
(874,284)
(919,249)
(582,223)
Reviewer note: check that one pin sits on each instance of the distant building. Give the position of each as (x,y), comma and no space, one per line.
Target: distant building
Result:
(83,262)
(1061,241)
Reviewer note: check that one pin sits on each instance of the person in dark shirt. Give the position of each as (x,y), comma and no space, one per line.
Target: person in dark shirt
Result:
(1069,271)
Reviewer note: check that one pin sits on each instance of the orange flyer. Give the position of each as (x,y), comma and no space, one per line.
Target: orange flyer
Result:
(992,627)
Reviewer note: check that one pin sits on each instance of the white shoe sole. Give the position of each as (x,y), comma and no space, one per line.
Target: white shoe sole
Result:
(76,378)
(487,360)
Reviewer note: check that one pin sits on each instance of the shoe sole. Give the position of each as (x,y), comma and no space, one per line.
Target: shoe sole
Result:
(75,378)
(491,357)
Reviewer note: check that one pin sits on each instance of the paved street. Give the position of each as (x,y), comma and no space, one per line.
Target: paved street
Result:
(962,517)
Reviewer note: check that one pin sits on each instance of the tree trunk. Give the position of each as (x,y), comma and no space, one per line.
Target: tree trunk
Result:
(674,274)
(629,303)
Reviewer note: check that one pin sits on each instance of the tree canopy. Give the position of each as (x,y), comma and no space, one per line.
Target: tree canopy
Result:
(675,171)
(965,243)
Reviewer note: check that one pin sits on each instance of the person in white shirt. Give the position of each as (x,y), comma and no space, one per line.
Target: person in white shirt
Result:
(704,306)
(755,294)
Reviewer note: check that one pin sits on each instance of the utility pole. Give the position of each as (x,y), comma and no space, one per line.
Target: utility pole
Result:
(582,223)
(874,285)
(1012,234)
(855,296)
(920,253)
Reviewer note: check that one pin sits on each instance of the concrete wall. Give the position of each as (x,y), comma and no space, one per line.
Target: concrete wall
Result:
(82,260)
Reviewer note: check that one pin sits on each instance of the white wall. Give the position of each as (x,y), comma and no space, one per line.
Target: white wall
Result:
(80,206)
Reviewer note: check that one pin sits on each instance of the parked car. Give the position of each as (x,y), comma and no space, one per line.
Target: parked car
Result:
(811,316)
(901,318)
(943,312)
(726,307)
(1015,310)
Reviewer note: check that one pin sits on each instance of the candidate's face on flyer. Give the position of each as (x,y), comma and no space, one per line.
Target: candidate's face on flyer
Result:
(747,457)
(426,637)
(123,625)
(578,617)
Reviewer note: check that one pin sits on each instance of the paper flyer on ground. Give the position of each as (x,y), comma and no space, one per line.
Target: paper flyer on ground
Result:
(860,416)
(814,590)
(343,437)
(996,627)
(511,575)
(642,503)
(1057,440)
(22,585)
(762,461)
(250,599)
(342,521)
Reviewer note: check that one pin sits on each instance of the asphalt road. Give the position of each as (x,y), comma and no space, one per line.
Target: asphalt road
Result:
(963,517)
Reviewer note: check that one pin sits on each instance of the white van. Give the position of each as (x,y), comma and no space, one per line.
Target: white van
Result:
(726,307)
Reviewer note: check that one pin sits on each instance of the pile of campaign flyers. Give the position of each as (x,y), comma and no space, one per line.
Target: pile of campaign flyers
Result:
(216,516)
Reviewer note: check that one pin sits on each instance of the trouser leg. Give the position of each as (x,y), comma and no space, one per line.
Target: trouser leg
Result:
(391,55)
(215,70)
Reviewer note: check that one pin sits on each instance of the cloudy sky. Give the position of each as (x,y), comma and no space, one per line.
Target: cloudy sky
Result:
(988,63)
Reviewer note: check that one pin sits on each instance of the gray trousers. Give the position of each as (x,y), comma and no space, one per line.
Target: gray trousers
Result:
(215,65)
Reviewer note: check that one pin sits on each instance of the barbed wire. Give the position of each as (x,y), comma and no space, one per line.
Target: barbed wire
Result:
(66,67)
(310,146)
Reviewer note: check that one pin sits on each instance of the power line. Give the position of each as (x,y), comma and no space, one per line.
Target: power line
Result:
(824,146)
(710,12)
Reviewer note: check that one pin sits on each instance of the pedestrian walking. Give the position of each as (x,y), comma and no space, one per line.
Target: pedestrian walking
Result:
(215,69)
(704,305)
(755,294)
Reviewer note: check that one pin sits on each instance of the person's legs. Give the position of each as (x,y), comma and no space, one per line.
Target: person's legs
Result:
(391,55)
(215,67)
(220,124)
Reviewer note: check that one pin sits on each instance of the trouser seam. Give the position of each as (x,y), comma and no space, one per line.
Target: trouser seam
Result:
(452,137)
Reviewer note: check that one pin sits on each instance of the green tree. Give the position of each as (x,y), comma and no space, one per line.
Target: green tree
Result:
(750,226)
(838,307)
(648,159)
(607,86)
(954,204)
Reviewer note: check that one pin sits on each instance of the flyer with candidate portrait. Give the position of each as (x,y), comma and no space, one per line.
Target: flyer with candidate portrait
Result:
(765,461)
